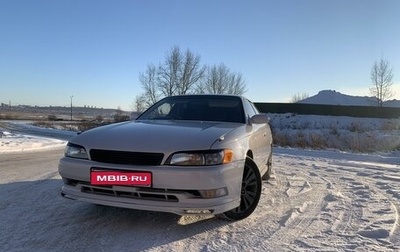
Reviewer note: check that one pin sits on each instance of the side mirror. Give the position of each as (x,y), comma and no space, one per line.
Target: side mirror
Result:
(259,119)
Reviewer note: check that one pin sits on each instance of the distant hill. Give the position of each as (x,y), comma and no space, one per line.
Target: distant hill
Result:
(392,103)
(331,97)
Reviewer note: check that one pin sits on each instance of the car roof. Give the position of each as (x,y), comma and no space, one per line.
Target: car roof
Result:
(208,95)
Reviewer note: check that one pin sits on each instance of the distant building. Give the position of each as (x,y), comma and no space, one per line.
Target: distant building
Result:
(4,105)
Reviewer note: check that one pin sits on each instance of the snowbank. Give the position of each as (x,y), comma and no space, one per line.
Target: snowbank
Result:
(10,142)
(336,132)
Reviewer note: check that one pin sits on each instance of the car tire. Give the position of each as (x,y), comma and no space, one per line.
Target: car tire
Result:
(250,193)
(267,174)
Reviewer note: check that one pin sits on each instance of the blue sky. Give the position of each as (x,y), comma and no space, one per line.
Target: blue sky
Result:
(95,50)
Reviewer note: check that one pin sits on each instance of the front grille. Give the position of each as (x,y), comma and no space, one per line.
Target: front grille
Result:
(126,157)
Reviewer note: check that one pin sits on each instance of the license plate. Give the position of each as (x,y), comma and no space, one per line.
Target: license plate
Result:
(120,178)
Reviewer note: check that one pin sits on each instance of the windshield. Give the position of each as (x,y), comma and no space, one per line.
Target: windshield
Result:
(197,108)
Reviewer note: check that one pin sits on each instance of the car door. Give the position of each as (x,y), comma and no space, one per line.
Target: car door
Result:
(260,140)
(266,141)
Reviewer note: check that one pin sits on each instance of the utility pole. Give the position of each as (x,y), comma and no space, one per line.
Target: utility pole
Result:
(71,105)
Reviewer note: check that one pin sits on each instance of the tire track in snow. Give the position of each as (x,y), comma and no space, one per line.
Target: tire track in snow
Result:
(378,179)
(303,195)
(345,213)
(380,223)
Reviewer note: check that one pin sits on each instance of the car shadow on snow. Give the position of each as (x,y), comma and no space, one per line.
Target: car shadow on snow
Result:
(36,217)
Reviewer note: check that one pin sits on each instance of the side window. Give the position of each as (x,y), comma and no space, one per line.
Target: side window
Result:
(254,108)
(249,108)
(160,111)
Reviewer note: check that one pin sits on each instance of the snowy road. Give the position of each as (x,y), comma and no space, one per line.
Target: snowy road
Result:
(317,201)
(22,127)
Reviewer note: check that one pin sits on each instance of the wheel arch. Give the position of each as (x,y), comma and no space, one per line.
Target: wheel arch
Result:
(249,154)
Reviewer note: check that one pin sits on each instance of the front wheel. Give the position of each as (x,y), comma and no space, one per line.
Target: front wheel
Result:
(250,193)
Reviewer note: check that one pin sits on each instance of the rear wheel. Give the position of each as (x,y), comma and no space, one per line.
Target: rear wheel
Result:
(250,193)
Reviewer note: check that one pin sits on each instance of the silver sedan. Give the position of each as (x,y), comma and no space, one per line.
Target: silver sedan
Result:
(191,154)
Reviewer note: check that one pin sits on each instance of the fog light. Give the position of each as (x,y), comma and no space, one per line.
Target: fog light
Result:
(214,193)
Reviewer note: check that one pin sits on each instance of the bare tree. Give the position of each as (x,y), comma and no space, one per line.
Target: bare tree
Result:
(168,73)
(237,84)
(182,73)
(212,83)
(140,103)
(149,83)
(192,72)
(177,75)
(179,72)
(382,81)
(220,80)
(299,97)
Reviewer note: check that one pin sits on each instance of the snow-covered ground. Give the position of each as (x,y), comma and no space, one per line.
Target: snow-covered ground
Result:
(11,142)
(317,200)
(22,136)
(336,132)
(26,128)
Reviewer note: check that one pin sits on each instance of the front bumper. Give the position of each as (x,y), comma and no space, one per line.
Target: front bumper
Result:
(178,190)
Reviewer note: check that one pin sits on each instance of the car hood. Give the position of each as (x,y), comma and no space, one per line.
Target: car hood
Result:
(155,136)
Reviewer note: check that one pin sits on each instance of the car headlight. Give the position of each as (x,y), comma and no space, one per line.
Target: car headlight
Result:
(75,151)
(197,158)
